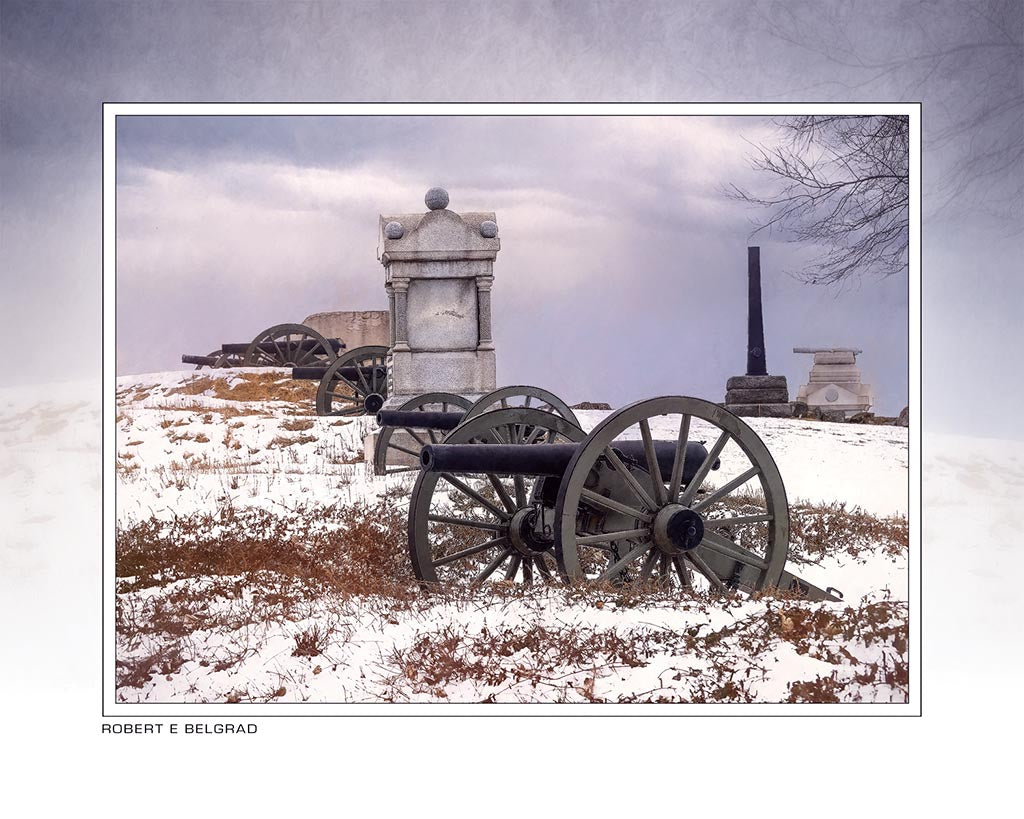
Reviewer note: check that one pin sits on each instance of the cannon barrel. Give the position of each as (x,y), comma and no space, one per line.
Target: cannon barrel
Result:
(549,459)
(270,347)
(203,360)
(420,419)
(351,373)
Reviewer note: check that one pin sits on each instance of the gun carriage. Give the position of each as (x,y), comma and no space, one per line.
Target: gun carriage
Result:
(283,345)
(521,494)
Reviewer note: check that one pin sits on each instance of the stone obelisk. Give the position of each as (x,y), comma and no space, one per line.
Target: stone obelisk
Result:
(757,393)
(756,364)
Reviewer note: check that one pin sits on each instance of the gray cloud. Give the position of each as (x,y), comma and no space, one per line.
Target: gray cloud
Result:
(622,272)
(962,59)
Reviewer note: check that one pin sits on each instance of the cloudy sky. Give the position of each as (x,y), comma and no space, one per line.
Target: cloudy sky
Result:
(623,265)
(60,61)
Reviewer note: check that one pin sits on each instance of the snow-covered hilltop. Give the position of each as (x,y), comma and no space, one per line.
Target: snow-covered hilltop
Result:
(217,470)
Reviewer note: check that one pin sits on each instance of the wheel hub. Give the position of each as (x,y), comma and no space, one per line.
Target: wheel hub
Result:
(523,535)
(373,403)
(677,529)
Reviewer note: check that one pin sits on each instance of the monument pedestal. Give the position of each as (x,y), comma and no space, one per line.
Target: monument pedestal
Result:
(758,396)
(439,273)
(834,385)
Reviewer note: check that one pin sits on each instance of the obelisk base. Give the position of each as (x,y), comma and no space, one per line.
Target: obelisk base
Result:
(758,396)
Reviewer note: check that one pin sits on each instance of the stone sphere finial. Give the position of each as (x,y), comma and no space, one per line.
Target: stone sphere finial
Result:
(436,199)
(394,230)
(488,229)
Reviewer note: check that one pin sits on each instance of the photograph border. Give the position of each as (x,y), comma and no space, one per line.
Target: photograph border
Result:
(111,708)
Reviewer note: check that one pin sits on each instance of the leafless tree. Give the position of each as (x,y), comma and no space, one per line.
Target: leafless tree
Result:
(841,183)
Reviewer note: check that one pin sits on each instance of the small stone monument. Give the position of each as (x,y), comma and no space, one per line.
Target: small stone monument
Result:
(834,382)
(439,267)
(757,393)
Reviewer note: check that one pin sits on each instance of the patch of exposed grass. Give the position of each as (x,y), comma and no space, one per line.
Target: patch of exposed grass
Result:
(282,442)
(298,426)
(255,386)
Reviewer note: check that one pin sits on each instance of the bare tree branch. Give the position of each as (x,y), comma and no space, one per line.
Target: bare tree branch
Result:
(841,182)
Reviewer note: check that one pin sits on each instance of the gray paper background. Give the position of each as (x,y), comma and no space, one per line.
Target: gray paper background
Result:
(963,60)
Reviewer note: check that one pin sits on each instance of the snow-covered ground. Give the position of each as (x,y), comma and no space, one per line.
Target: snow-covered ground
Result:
(184,450)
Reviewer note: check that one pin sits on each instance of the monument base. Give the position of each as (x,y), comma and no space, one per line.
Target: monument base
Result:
(758,396)
(469,373)
(780,410)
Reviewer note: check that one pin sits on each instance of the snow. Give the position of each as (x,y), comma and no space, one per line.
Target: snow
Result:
(50,456)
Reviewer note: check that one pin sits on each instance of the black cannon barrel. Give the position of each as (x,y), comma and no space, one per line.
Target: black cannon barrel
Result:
(205,360)
(351,373)
(419,419)
(548,459)
(305,344)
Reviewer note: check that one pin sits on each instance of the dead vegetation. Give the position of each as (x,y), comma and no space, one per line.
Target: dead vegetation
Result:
(255,386)
(238,572)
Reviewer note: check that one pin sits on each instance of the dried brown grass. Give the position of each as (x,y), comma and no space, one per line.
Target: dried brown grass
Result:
(256,386)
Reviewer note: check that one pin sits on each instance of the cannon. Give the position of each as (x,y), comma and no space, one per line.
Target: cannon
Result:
(283,345)
(523,495)
(399,443)
(355,383)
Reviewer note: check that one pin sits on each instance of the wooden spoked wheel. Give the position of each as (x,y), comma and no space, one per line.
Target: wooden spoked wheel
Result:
(522,396)
(471,529)
(355,383)
(638,521)
(398,448)
(288,345)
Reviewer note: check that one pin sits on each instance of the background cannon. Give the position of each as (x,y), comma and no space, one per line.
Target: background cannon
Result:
(619,505)
(398,444)
(355,383)
(283,345)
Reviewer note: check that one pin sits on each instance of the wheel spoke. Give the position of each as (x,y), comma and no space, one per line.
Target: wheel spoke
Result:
(663,574)
(684,575)
(705,570)
(680,459)
(652,462)
(472,524)
(405,449)
(513,567)
(606,537)
(490,567)
(520,486)
(627,476)
(648,567)
(417,438)
(362,378)
(467,490)
(535,433)
(527,571)
(716,523)
(502,493)
(340,398)
(472,550)
(722,491)
(723,546)
(542,567)
(698,479)
(594,499)
(620,564)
